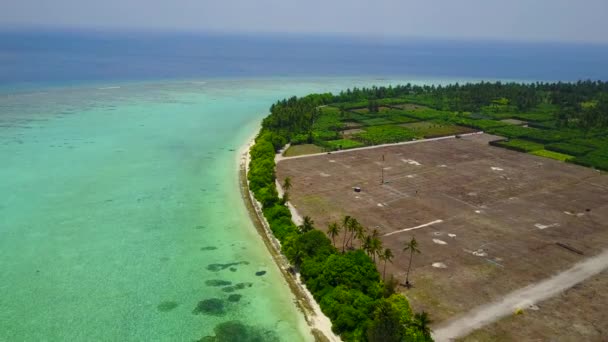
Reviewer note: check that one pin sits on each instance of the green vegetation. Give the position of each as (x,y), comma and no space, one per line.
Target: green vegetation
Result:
(375,135)
(569,148)
(567,118)
(431,129)
(345,282)
(342,144)
(552,155)
(520,145)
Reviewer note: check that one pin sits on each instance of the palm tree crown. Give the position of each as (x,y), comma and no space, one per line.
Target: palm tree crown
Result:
(333,230)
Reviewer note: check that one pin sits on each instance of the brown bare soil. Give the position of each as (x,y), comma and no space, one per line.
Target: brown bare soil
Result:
(578,314)
(502,215)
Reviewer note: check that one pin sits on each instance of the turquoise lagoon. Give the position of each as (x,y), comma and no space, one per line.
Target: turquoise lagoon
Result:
(121,217)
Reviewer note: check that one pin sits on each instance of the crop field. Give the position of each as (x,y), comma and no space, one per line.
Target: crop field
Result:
(488,221)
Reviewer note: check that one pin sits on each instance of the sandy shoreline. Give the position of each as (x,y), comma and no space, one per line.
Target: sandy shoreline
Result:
(319,324)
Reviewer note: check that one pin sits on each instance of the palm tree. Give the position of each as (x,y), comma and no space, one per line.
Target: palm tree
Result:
(367,245)
(376,247)
(285,198)
(353,226)
(333,230)
(345,229)
(287,184)
(307,225)
(387,255)
(412,246)
(423,322)
(360,234)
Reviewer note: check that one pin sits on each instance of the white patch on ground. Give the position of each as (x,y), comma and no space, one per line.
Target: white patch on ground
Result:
(479,252)
(411,176)
(512,198)
(528,296)
(357,197)
(323,174)
(477,211)
(443,165)
(574,214)
(411,162)
(413,228)
(542,226)
(437,233)
(380,205)
(332,161)
(439,265)
(439,242)
(388,168)
(452,235)
(496,168)
(472,194)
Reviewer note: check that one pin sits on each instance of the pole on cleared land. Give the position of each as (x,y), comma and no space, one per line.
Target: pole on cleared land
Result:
(382,172)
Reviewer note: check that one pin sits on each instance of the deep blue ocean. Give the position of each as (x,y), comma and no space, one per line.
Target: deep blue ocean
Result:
(35,57)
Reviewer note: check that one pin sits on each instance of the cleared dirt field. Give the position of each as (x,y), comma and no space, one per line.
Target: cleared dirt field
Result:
(578,314)
(497,218)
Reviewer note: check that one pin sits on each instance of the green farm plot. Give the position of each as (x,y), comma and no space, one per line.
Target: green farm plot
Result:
(569,148)
(597,159)
(426,113)
(377,121)
(402,119)
(342,144)
(480,124)
(375,135)
(552,155)
(511,131)
(429,129)
(600,143)
(549,136)
(534,116)
(520,145)
(298,150)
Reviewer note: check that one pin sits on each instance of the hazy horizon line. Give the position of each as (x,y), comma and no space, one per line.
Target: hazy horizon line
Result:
(371,37)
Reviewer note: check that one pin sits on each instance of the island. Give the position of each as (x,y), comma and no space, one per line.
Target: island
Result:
(371,167)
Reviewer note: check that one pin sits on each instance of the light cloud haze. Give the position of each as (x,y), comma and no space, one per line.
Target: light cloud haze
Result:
(521,20)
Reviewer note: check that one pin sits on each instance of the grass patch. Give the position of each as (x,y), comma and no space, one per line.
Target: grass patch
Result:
(375,135)
(342,144)
(552,155)
(511,131)
(597,159)
(376,121)
(298,150)
(429,129)
(520,145)
(568,148)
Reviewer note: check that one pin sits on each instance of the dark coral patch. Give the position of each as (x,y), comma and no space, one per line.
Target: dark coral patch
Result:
(217,282)
(208,248)
(167,306)
(237,331)
(213,306)
(235,287)
(234,298)
(260,273)
(219,267)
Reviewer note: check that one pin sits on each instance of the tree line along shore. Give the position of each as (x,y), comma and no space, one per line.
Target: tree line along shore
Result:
(565,121)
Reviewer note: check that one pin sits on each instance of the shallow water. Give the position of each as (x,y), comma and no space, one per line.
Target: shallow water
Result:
(121,216)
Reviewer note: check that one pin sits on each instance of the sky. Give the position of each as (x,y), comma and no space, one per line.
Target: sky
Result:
(514,20)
